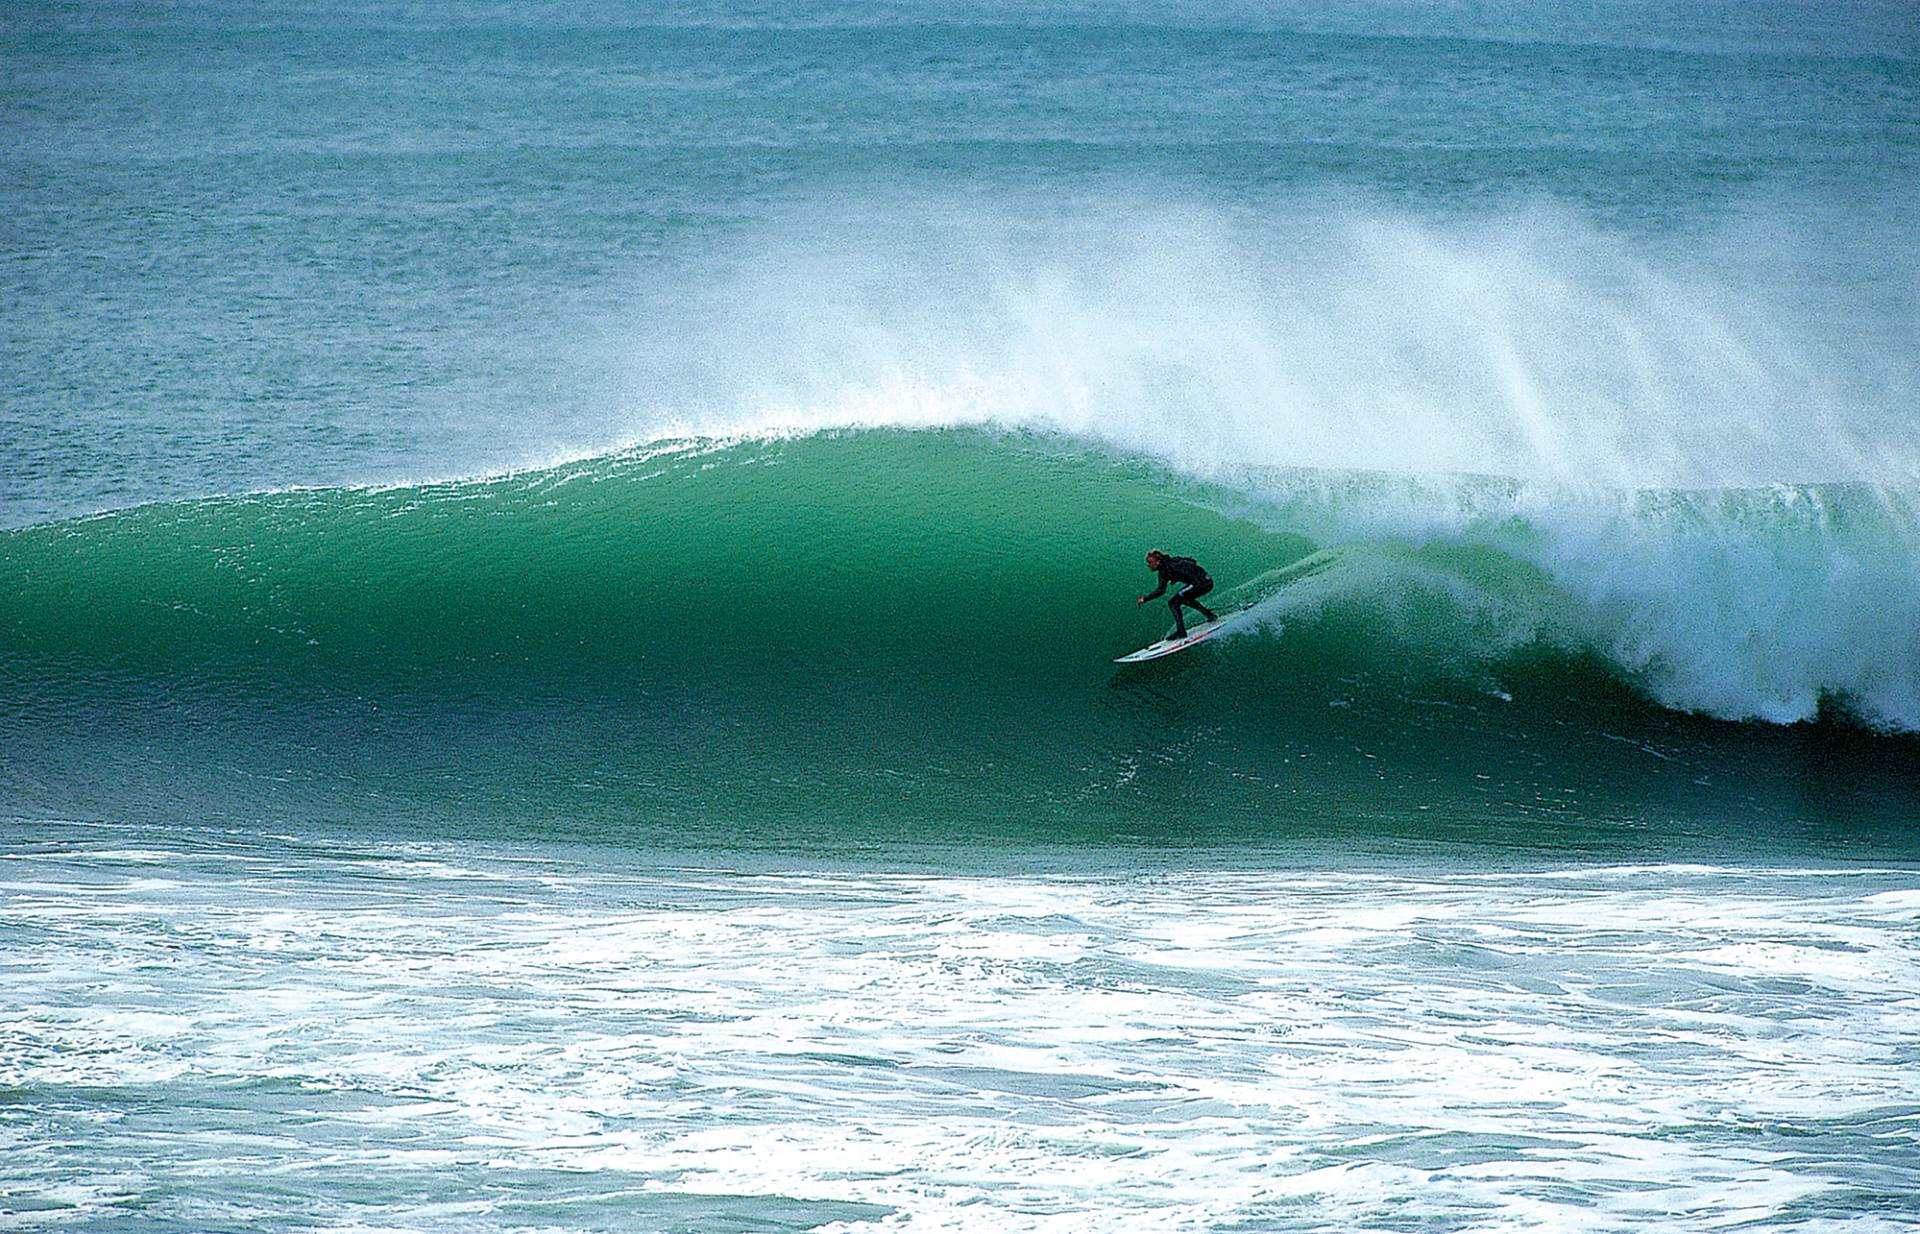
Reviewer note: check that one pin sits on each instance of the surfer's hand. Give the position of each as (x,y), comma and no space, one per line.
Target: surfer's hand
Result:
(1139,599)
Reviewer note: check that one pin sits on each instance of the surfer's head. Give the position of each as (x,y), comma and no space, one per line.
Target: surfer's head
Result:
(1154,558)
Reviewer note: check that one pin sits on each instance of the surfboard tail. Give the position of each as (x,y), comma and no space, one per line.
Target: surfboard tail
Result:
(1167,646)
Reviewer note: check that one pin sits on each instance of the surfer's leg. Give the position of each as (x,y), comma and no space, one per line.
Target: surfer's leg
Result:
(1193,597)
(1179,618)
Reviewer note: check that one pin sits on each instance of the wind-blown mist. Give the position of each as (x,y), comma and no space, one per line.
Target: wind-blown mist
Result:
(1528,344)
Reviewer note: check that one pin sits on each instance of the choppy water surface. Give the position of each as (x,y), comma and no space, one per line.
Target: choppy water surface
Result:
(212,1032)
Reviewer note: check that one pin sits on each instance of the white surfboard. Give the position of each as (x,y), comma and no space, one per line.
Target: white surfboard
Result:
(1167,646)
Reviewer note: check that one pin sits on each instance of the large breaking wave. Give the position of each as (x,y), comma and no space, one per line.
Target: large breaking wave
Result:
(1705,443)
(1510,503)
(1766,604)
(918,624)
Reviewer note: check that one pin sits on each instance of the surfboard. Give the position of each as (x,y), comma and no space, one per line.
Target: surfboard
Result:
(1167,646)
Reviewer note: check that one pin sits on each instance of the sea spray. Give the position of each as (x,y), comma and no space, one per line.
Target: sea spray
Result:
(1327,334)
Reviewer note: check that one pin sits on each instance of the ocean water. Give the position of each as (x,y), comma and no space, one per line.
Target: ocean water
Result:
(560,567)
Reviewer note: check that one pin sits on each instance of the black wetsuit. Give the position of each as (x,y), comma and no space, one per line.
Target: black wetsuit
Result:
(1198,583)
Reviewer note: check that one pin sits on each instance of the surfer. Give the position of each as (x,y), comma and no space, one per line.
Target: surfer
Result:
(1179,570)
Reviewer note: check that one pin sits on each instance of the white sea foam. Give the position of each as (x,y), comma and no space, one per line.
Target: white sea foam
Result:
(1746,605)
(1576,1049)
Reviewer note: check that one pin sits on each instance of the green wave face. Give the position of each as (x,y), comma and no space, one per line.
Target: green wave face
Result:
(928,554)
(846,639)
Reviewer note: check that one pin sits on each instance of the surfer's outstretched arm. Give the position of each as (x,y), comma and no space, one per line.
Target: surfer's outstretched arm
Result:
(1155,594)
